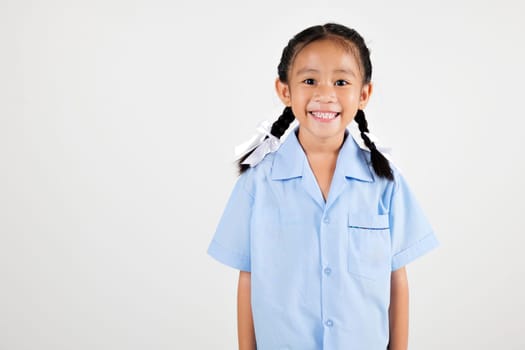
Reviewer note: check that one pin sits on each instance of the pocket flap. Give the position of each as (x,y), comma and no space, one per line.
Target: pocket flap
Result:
(368,221)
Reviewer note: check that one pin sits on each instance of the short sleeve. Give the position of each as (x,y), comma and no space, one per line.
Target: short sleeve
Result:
(411,233)
(230,244)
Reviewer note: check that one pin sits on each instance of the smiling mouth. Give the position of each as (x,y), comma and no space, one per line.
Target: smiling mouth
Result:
(324,116)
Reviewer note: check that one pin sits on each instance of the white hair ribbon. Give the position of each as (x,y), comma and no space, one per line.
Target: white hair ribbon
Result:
(259,143)
(383,149)
(356,134)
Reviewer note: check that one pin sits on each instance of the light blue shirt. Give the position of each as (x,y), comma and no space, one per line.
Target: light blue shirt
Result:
(320,271)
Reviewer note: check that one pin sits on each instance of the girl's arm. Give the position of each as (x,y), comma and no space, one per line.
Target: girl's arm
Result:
(246,332)
(398,311)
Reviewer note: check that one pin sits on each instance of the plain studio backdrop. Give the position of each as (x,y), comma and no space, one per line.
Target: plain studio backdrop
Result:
(118,121)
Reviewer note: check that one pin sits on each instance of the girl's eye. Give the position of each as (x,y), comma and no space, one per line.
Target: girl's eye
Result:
(309,81)
(341,83)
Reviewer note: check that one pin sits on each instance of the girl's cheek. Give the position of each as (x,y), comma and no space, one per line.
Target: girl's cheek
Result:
(351,96)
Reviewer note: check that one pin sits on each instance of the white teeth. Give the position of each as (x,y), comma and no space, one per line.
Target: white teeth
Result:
(324,115)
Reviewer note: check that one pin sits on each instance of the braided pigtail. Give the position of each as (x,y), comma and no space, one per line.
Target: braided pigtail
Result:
(279,127)
(379,162)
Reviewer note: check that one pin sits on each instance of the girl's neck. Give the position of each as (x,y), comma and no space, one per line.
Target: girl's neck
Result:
(316,145)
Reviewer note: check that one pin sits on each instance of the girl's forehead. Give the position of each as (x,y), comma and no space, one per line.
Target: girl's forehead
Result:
(325,54)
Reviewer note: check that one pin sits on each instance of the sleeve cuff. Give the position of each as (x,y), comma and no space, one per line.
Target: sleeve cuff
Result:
(227,257)
(413,252)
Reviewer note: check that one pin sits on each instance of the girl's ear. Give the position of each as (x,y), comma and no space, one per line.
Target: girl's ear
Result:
(283,91)
(366,91)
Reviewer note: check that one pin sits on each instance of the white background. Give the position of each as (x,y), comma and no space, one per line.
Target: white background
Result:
(117,126)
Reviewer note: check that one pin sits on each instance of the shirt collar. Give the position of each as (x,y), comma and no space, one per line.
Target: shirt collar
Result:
(290,159)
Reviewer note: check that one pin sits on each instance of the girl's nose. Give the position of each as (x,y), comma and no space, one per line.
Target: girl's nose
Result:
(324,93)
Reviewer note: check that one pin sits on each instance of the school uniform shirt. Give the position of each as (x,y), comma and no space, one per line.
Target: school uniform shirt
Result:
(320,271)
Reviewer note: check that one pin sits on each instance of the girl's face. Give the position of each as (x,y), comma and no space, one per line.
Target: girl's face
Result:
(325,90)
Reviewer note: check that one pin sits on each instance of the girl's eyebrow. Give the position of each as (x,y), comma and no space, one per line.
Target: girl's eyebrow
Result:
(306,70)
(312,70)
(346,71)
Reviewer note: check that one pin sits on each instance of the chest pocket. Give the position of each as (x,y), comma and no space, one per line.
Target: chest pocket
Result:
(369,250)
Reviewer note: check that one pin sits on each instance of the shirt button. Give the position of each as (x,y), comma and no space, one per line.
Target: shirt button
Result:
(329,323)
(327,270)
(326,220)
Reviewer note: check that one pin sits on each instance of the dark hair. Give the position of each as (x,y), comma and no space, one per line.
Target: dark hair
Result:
(351,39)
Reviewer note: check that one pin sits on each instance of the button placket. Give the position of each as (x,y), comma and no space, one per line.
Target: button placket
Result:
(327,236)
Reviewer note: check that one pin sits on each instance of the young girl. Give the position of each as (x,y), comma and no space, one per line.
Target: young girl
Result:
(319,228)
